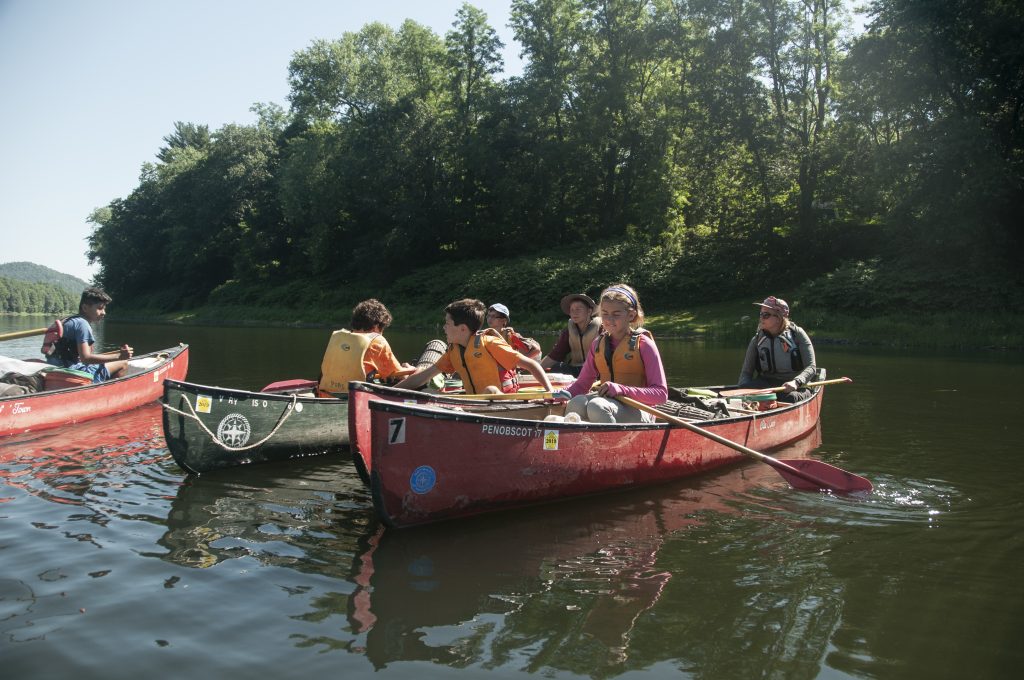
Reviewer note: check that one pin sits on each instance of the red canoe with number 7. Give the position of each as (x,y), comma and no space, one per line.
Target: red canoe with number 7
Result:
(433,462)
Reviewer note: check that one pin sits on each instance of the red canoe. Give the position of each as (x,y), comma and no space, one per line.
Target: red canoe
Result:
(41,410)
(431,462)
(360,395)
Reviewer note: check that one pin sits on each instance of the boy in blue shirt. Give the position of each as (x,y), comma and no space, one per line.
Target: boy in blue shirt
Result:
(74,348)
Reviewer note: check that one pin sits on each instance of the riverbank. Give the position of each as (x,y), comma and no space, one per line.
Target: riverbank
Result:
(722,321)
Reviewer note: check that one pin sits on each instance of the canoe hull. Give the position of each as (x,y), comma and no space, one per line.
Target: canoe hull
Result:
(361,394)
(428,464)
(54,408)
(208,428)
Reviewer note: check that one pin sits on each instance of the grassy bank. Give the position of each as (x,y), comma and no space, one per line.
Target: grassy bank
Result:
(729,320)
(893,304)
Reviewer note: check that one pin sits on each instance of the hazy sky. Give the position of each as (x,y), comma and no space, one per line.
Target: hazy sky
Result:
(90,88)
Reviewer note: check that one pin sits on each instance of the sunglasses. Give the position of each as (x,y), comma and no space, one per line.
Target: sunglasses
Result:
(767,315)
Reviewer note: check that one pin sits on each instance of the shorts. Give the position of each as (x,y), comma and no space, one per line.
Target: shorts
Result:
(99,371)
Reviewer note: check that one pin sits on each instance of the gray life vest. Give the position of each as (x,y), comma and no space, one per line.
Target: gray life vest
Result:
(779,355)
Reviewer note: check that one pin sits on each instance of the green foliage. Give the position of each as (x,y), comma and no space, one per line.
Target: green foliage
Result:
(875,287)
(24,297)
(697,150)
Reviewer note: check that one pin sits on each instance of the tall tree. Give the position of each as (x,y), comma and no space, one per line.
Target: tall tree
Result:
(936,91)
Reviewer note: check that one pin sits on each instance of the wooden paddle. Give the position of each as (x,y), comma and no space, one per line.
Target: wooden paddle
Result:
(805,474)
(525,396)
(22,334)
(770,390)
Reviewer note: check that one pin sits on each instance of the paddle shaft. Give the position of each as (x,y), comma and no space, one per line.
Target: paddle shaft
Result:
(774,462)
(768,390)
(22,334)
(510,396)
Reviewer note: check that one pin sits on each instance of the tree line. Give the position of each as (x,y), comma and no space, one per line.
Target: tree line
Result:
(27,297)
(738,140)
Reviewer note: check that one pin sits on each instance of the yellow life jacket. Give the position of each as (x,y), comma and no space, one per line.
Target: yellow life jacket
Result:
(343,360)
(625,365)
(479,370)
(579,344)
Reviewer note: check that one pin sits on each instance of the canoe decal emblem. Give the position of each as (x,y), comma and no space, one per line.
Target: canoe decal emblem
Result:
(422,479)
(234,429)
(550,440)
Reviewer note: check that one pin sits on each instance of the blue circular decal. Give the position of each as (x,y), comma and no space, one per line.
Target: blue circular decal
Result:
(422,479)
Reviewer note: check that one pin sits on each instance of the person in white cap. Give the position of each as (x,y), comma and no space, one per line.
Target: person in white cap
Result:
(498,319)
(582,328)
(780,354)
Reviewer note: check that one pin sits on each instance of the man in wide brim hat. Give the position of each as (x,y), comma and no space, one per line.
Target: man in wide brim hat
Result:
(585,299)
(575,340)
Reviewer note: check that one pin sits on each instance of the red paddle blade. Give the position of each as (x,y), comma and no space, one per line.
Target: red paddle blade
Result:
(813,475)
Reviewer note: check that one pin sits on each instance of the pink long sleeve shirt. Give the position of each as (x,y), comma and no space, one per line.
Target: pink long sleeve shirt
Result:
(656,391)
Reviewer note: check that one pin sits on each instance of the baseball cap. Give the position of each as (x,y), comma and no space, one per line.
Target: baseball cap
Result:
(500,309)
(775,304)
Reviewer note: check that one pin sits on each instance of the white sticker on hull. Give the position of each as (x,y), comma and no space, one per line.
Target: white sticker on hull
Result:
(511,430)
(396,431)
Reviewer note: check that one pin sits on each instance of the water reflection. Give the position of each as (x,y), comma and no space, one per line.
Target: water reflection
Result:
(569,585)
(62,464)
(572,586)
(302,515)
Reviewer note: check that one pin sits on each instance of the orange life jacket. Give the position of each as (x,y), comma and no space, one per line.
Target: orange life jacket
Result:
(479,370)
(624,365)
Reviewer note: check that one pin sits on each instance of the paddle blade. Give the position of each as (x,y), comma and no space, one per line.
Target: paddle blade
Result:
(814,475)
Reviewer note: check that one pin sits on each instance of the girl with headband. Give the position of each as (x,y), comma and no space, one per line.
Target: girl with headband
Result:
(625,360)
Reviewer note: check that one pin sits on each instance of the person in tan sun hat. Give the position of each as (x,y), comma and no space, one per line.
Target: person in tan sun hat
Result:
(582,328)
(780,354)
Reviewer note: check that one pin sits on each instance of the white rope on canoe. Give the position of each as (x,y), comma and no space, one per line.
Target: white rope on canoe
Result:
(194,416)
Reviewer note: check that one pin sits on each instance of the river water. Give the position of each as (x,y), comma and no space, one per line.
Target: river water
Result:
(113,563)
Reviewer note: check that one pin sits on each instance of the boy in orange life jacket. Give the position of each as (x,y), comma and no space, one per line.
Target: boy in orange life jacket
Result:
(498,319)
(360,354)
(485,361)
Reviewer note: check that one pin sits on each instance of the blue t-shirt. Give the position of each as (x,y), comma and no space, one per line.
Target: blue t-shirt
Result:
(76,330)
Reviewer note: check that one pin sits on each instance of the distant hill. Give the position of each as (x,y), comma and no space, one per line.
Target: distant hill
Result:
(37,273)
(27,297)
